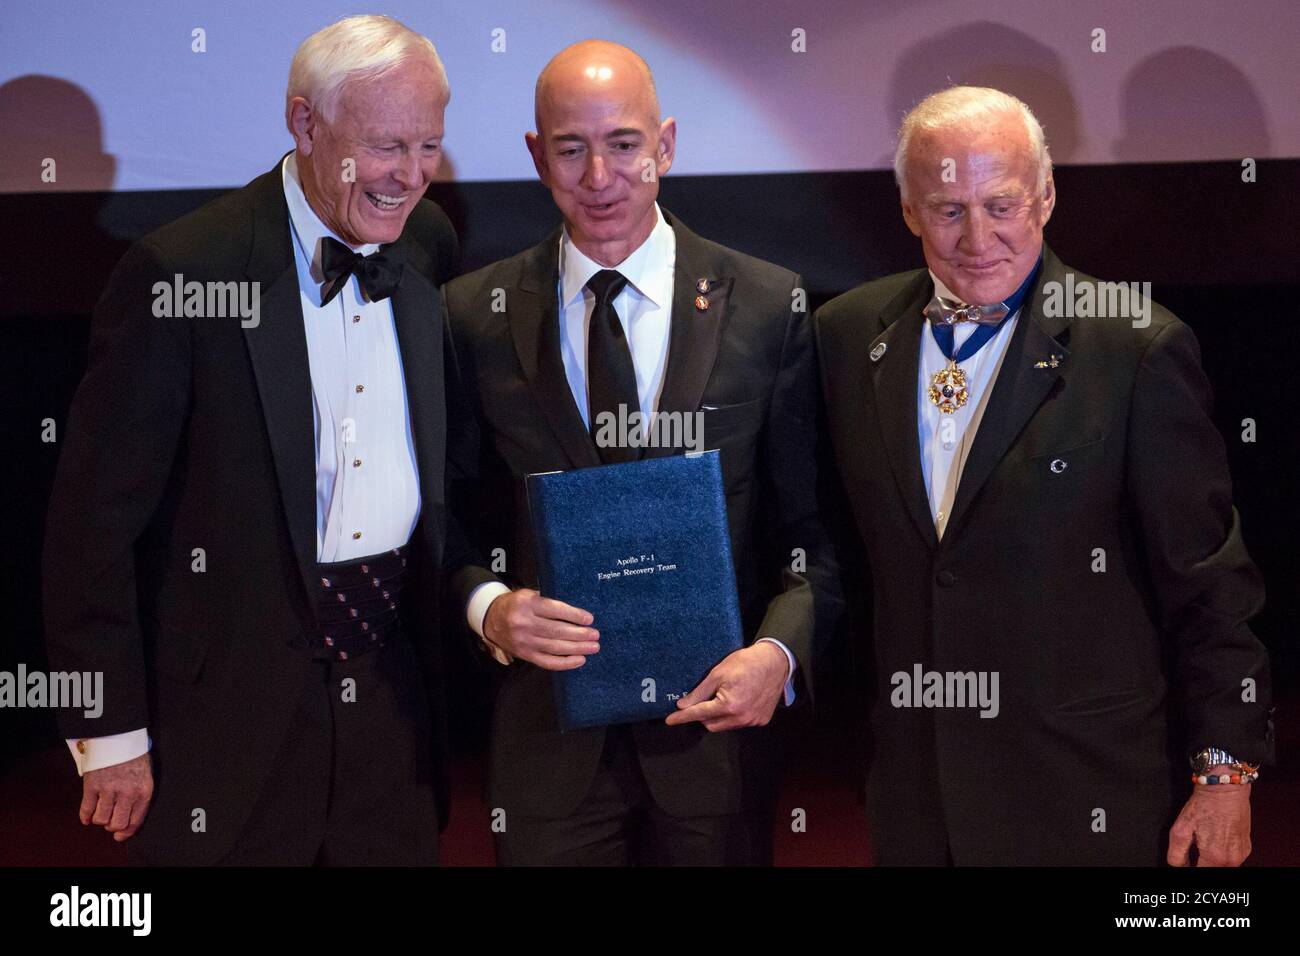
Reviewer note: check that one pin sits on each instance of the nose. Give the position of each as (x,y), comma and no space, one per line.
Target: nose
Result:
(977,234)
(408,172)
(596,175)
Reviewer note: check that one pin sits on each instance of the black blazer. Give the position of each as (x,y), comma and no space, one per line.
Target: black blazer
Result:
(1108,679)
(747,358)
(191,433)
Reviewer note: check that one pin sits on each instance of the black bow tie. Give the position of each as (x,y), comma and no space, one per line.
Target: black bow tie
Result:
(378,273)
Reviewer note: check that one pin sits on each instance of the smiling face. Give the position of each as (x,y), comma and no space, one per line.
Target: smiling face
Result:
(391,127)
(982,232)
(601,148)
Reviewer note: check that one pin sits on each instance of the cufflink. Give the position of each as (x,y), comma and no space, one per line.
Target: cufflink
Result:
(81,747)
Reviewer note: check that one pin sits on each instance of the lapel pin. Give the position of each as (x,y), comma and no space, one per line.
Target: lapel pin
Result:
(701,303)
(702,285)
(878,351)
(1058,465)
(1052,361)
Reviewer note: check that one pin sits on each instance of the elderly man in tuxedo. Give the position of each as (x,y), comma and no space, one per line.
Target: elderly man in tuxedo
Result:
(1061,591)
(625,306)
(248,519)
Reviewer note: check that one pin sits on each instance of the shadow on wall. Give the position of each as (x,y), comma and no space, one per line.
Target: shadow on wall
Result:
(1186,103)
(49,119)
(1179,105)
(988,54)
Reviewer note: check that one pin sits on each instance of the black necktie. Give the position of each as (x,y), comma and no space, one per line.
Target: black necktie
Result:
(378,273)
(611,377)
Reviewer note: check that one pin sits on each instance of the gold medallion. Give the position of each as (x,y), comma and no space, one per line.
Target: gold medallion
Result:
(948,389)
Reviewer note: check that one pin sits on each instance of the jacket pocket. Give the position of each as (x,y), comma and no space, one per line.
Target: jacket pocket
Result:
(1106,703)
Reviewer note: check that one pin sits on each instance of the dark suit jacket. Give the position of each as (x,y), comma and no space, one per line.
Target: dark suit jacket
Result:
(192,433)
(749,359)
(1108,679)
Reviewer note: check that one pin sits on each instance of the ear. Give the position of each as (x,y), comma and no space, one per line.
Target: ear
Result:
(301,120)
(537,150)
(1048,202)
(909,216)
(667,145)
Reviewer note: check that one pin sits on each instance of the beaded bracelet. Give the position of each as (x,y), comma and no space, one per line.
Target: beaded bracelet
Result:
(1245,774)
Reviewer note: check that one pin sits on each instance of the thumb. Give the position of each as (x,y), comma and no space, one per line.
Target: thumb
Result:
(89,800)
(1180,843)
(703,691)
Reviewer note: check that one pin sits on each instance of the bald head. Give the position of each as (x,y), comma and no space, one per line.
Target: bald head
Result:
(595,68)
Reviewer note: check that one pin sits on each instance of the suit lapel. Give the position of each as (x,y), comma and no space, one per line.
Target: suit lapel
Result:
(894,377)
(277,346)
(695,333)
(1031,366)
(416,318)
(534,318)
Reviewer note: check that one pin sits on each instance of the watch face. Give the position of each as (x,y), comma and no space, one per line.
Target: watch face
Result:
(1210,757)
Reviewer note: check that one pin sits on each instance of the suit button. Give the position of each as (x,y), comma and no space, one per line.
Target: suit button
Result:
(946,578)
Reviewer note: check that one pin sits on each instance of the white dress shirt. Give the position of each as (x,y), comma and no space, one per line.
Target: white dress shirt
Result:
(644,308)
(946,439)
(367,481)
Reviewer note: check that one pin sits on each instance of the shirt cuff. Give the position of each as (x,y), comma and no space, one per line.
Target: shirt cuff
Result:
(96,753)
(476,608)
(794,665)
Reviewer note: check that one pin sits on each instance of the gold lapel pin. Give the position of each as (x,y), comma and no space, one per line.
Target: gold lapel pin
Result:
(1053,361)
(701,303)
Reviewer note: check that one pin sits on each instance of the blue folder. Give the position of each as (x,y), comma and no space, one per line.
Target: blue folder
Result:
(645,547)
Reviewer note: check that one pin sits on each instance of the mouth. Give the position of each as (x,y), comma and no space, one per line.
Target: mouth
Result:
(981,268)
(385,203)
(599,210)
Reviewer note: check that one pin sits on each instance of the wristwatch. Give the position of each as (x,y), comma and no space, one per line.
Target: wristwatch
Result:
(1203,760)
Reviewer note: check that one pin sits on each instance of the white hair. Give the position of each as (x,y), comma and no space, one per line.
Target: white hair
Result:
(970,109)
(355,48)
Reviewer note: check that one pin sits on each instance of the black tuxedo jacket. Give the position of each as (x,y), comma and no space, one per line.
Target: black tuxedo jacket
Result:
(196,433)
(747,360)
(1096,444)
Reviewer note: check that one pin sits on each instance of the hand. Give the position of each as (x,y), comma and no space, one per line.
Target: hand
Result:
(551,634)
(741,691)
(117,797)
(1217,818)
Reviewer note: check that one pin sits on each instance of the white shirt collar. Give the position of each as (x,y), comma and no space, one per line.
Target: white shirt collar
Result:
(645,268)
(308,230)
